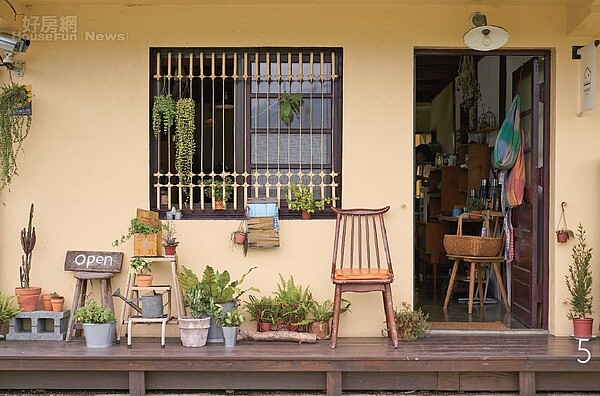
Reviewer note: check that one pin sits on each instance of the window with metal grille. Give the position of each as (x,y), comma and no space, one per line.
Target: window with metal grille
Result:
(243,123)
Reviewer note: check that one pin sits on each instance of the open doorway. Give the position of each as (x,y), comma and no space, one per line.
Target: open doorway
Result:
(461,100)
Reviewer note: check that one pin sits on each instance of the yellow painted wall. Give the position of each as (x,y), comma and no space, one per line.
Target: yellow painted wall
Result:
(85,163)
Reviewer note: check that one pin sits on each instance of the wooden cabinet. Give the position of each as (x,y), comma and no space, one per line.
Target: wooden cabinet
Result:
(478,163)
(447,188)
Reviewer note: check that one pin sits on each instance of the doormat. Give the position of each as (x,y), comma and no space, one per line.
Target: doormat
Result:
(467,326)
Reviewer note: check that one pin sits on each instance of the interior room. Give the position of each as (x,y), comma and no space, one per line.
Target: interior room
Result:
(462,100)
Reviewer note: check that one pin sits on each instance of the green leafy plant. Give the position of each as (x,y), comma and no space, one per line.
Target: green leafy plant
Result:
(232,318)
(54,295)
(300,197)
(14,128)
(7,310)
(91,312)
(324,312)
(411,324)
(295,301)
(200,303)
(163,114)
(139,265)
(289,105)
(218,285)
(579,280)
(265,309)
(137,227)
(221,191)
(185,144)
(28,240)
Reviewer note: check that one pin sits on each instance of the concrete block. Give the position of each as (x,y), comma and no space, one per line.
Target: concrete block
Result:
(39,325)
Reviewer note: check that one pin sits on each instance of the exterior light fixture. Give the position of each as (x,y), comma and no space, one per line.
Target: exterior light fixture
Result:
(484,37)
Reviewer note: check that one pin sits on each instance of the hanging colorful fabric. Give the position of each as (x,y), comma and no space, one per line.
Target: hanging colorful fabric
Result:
(515,186)
(508,140)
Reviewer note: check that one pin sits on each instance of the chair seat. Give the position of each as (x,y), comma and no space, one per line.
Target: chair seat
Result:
(359,274)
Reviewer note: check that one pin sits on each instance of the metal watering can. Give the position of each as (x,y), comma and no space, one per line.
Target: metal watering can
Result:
(152,304)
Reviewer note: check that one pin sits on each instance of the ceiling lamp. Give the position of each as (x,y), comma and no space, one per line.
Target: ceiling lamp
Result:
(484,37)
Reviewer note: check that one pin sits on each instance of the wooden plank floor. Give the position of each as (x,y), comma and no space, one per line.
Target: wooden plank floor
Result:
(505,361)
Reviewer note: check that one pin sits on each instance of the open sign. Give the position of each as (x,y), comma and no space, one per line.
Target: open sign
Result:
(93,261)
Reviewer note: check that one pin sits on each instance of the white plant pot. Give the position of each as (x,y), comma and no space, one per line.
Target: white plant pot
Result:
(99,335)
(194,332)
(230,336)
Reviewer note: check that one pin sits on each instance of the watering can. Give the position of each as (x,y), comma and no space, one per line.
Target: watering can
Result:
(152,304)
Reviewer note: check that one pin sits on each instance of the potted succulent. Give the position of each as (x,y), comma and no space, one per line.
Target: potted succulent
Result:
(194,327)
(220,288)
(322,314)
(300,197)
(57,301)
(98,324)
(219,190)
(141,268)
(169,241)
(27,295)
(410,324)
(579,284)
(7,311)
(230,323)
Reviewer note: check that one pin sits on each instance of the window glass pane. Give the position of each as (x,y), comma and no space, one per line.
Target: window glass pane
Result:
(296,149)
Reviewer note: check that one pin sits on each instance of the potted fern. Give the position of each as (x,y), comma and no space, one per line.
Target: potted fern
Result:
(579,284)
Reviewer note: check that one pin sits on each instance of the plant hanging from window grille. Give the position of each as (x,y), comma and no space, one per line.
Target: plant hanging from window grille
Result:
(185,144)
(163,114)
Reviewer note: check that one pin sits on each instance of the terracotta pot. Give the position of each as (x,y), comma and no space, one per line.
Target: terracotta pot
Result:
(583,328)
(57,304)
(264,327)
(321,329)
(46,302)
(170,251)
(239,237)
(306,215)
(28,297)
(219,205)
(143,280)
(292,327)
(562,236)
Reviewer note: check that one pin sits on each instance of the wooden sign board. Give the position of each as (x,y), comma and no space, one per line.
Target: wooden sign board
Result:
(92,261)
(148,217)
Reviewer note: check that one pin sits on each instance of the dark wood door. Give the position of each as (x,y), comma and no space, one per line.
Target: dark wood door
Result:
(527,268)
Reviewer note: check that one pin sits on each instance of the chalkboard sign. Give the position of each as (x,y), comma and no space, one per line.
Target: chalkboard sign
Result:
(93,261)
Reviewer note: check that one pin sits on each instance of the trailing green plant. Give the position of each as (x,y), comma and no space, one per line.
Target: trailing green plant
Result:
(137,227)
(221,191)
(295,301)
(300,197)
(163,114)
(289,105)
(185,144)
(14,128)
(579,280)
(324,312)
(91,312)
(28,239)
(7,309)
(232,318)
(200,303)
(411,324)
(140,265)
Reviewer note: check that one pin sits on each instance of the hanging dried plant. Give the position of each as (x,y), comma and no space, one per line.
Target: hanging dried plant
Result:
(467,80)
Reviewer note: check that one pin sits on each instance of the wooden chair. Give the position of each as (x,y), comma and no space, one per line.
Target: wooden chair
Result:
(361,262)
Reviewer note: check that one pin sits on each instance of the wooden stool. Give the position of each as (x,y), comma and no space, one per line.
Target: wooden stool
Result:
(81,290)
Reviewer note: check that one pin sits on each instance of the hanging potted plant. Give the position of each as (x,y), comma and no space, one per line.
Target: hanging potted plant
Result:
(14,128)
(579,284)
(27,296)
(562,230)
(300,197)
(163,113)
(185,145)
(238,236)
(219,190)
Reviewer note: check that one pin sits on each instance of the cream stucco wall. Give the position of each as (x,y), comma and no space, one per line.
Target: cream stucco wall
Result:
(85,163)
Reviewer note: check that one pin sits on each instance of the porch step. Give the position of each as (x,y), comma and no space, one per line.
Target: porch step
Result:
(39,325)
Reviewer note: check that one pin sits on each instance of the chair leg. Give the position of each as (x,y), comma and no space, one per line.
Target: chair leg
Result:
(389,315)
(337,301)
(77,301)
(471,287)
(501,285)
(451,284)
(480,284)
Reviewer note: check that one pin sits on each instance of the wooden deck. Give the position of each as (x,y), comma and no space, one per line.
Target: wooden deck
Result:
(506,361)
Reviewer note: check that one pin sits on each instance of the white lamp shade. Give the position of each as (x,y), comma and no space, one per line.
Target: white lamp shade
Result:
(486,37)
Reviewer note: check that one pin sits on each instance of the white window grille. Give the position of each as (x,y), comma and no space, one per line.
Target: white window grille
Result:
(239,135)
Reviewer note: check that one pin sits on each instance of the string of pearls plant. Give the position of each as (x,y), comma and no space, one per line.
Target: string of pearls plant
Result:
(163,114)
(184,135)
(14,128)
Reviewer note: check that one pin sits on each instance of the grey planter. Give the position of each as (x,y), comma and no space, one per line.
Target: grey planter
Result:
(230,336)
(99,335)
(215,333)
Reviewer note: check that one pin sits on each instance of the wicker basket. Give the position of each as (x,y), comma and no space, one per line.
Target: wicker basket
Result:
(467,245)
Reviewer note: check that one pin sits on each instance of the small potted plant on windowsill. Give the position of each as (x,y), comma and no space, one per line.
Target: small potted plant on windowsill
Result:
(219,190)
(579,284)
(141,268)
(169,241)
(300,197)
